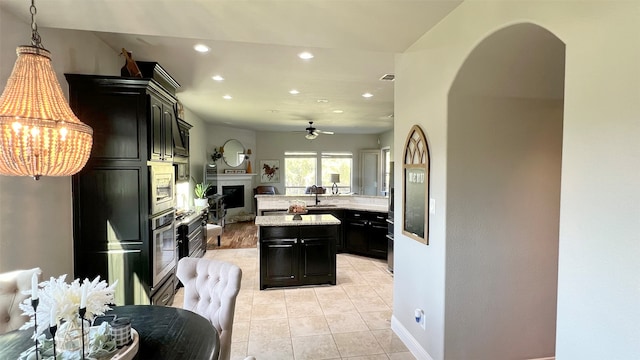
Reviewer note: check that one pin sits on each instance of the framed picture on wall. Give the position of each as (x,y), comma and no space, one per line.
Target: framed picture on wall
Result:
(269,171)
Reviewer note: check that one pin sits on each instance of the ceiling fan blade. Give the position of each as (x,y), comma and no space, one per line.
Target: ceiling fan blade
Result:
(325,132)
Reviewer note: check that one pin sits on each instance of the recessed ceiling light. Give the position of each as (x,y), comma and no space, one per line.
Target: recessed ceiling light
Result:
(338,111)
(322,101)
(227,97)
(294,92)
(217,78)
(367,95)
(201,48)
(305,55)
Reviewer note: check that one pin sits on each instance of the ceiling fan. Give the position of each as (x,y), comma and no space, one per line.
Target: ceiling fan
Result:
(313,133)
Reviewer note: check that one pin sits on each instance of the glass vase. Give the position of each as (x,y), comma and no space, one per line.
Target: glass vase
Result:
(69,337)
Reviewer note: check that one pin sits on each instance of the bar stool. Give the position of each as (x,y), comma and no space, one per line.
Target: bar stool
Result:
(215,230)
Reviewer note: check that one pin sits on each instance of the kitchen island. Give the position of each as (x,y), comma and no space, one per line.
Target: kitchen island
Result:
(297,252)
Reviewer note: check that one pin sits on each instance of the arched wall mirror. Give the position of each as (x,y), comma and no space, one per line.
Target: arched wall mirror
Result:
(233,154)
(416,186)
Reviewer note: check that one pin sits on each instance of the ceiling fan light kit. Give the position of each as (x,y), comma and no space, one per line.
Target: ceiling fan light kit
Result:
(313,133)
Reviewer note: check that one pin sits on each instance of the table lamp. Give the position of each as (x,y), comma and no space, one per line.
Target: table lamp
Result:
(335,178)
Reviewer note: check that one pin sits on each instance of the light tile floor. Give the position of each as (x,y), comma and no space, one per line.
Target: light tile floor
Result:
(351,320)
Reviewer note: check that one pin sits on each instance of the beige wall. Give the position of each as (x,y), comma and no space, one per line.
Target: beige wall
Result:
(600,200)
(36,216)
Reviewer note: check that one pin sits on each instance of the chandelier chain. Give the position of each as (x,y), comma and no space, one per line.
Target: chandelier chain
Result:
(35,36)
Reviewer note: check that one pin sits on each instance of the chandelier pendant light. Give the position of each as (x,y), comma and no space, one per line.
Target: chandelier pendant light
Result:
(39,133)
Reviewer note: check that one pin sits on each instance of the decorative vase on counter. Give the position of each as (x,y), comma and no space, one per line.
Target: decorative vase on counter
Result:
(201,202)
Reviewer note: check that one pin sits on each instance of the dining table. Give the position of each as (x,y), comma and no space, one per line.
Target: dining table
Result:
(164,333)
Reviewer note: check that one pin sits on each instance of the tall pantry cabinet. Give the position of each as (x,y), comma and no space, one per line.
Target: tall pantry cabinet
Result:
(132,120)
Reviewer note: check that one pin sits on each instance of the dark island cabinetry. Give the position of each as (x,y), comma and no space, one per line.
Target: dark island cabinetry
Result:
(339,214)
(297,255)
(365,233)
(133,121)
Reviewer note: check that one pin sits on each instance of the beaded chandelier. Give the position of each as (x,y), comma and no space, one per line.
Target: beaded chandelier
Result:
(39,134)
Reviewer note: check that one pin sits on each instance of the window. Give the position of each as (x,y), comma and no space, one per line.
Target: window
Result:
(301,171)
(386,169)
(337,163)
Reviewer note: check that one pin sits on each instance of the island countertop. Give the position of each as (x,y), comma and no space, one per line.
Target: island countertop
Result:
(287,220)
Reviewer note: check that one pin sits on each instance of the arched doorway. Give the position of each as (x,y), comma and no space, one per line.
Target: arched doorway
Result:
(504,154)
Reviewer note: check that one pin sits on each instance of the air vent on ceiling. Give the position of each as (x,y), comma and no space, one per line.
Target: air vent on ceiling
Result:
(388,77)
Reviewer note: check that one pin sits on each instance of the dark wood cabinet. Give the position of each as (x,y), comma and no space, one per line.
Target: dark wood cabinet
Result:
(365,233)
(279,265)
(132,120)
(161,135)
(297,255)
(181,143)
(339,214)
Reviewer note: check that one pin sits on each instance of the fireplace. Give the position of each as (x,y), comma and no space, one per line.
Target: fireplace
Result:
(233,196)
(243,186)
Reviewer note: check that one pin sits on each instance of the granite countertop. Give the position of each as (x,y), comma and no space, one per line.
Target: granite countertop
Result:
(359,207)
(189,218)
(287,220)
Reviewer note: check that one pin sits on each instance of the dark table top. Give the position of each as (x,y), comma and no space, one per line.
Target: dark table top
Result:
(165,333)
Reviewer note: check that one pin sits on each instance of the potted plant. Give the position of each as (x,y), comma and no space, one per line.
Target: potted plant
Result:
(200,191)
(215,156)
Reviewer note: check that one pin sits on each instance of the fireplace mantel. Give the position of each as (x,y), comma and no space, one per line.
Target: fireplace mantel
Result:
(231,177)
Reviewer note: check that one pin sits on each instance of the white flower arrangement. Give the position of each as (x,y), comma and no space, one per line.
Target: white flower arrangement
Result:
(61,301)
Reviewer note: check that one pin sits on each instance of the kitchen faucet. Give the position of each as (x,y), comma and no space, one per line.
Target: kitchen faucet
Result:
(315,191)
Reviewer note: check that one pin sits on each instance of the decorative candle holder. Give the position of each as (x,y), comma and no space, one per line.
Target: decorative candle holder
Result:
(52,330)
(34,304)
(82,312)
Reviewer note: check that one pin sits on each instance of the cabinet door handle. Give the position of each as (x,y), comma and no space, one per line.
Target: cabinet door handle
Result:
(301,241)
(380,217)
(292,277)
(164,299)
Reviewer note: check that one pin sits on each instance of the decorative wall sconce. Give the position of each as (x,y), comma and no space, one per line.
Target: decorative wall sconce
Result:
(246,157)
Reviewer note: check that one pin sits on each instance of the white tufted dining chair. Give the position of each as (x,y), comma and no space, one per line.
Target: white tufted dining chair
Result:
(12,284)
(210,290)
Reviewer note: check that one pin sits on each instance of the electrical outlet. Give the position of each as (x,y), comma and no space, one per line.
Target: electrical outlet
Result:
(418,314)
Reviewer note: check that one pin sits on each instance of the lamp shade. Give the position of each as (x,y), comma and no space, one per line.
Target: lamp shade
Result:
(335,178)
(39,134)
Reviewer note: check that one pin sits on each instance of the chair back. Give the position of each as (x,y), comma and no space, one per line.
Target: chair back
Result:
(210,290)
(12,284)
(265,190)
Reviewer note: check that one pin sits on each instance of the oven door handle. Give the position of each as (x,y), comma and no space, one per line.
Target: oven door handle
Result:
(165,227)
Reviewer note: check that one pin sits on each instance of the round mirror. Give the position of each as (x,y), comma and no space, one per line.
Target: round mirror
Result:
(233,154)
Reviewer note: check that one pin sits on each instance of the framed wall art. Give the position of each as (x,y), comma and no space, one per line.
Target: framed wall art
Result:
(269,171)
(416,186)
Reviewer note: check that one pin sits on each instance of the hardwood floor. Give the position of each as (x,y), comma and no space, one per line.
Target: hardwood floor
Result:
(240,235)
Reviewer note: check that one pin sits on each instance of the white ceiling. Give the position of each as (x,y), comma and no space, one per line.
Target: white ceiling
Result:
(254,46)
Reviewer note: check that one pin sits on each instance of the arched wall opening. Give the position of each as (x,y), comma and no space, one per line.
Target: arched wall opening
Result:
(504,154)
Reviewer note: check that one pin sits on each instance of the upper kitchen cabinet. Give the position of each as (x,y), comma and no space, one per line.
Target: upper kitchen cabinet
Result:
(161,141)
(132,118)
(181,139)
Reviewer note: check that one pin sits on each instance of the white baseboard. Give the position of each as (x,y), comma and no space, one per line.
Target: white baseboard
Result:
(413,345)
(409,341)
